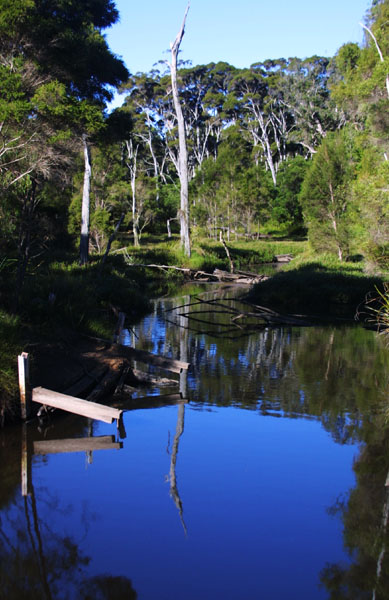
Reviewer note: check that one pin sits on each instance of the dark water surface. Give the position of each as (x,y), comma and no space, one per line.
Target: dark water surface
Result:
(269,483)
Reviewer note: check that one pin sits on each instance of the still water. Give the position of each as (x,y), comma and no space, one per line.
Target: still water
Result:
(268,482)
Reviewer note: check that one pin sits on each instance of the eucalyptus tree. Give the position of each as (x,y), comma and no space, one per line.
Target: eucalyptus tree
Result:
(183,153)
(263,112)
(306,94)
(143,102)
(219,101)
(250,88)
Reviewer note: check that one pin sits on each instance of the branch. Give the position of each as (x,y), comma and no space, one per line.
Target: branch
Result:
(174,46)
(374,39)
(379,52)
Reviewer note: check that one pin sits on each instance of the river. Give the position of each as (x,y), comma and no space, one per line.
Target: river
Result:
(267,481)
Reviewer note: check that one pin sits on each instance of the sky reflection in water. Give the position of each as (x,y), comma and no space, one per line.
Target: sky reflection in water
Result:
(271,431)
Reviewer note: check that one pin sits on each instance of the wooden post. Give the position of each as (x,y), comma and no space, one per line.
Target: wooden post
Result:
(24,385)
(184,383)
(26,462)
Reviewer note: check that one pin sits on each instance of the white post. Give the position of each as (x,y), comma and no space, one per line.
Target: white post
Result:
(24,385)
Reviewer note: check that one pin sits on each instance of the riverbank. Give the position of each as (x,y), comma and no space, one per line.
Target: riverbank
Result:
(63,300)
(322,287)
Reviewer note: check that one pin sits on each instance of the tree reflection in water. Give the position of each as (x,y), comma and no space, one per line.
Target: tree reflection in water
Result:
(365,519)
(333,375)
(37,562)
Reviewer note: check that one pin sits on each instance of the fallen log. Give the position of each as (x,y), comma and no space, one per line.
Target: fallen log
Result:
(253,317)
(239,277)
(283,258)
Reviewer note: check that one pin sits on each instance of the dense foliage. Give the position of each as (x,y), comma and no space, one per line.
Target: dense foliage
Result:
(287,145)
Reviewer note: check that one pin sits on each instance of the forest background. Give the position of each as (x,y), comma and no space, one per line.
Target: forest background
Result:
(291,148)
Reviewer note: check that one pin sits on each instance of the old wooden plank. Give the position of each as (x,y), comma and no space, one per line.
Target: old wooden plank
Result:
(103,442)
(84,384)
(75,405)
(150,401)
(164,362)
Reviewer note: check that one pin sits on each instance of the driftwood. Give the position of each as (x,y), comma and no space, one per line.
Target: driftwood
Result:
(246,319)
(218,275)
(283,258)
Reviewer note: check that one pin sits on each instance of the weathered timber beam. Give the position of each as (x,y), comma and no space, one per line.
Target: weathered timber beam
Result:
(164,362)
(77,406)
(169,364)
(150,401)
(103,442)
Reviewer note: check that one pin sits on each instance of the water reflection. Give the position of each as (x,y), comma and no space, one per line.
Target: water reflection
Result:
(38,560)
(172,472)
(332,373)
(258,477)
(365,518)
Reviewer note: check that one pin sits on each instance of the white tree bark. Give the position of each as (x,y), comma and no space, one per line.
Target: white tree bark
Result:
(132,154)
(84,239)
(379,53)
(182,152)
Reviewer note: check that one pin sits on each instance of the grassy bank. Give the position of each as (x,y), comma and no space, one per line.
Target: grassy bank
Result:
(209,254)
(60,297)
(320,286)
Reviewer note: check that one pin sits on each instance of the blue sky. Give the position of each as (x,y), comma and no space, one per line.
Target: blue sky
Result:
(239,32)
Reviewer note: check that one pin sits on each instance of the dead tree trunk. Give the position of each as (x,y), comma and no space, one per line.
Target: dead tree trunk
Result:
(132,155)
(84,239)
(182,152)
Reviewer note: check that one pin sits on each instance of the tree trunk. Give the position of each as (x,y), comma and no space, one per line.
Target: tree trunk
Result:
(84,239)
(334,223)
(182,152)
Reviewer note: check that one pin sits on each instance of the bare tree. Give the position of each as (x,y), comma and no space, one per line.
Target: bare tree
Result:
(183,152)
(84,239)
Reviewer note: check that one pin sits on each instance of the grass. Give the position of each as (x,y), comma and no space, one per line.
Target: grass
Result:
(209,254)
(323,287)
